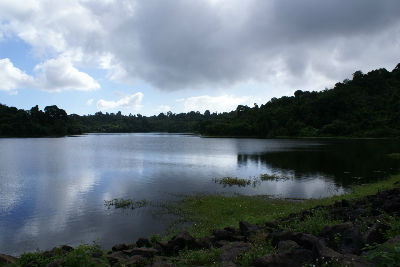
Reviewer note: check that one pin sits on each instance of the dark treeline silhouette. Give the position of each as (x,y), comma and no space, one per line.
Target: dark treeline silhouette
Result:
(366,106)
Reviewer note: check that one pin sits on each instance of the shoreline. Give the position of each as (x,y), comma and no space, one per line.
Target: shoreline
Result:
(209,237)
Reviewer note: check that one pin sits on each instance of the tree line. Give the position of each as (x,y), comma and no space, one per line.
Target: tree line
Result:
(368,105)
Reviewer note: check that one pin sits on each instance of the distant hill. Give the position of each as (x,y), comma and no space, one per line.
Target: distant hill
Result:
(366,106)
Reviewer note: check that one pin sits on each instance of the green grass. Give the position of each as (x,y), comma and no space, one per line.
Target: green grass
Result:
(80,256)
(208,212)
(311,224)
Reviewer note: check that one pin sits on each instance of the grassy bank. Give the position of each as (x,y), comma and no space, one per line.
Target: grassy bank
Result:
(203,213)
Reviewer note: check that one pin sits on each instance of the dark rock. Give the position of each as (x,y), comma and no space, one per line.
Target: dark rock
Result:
(7,259)
(320,250)
(221,243)
(393,241)
(97,254)
(248,229)
(120,247)
(230,251)
(183,240)
(376,234)
(345,237)
(220,234)
(146,252)
(295,258)
(143,242)
(203,242)
(287,245)
(116,257)
(135,260)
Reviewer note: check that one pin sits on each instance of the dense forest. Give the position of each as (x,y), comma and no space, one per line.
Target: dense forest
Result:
(366,106)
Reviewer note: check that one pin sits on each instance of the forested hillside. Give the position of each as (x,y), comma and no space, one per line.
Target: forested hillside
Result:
(366,106)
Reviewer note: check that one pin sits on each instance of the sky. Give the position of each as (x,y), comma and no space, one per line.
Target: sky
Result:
(156,56)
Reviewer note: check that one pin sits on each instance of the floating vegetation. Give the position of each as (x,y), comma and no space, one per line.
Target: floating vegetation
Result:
(394,155)
(230,181)
(272,177)
(120,203)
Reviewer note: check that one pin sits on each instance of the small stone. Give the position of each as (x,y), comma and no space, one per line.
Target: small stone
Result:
(248,229)
(287,245)
(230,251)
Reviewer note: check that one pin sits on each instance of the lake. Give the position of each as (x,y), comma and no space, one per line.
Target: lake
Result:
(52,190)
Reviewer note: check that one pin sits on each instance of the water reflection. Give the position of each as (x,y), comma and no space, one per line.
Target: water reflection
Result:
(52,190)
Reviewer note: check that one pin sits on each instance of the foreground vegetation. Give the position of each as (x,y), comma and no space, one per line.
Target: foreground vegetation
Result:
(208,213)
(366,106)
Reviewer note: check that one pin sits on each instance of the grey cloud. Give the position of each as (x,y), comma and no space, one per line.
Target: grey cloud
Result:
(186,44)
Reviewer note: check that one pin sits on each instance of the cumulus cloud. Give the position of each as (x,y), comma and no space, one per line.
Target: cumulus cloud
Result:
(53,75)
(214,103)
(177,44)
(11,77)
(128,102)
(59,74)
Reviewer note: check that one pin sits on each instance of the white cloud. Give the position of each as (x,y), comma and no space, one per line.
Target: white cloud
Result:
(12,78)
(132,101)
(89,102)
(215,103)
(59,74)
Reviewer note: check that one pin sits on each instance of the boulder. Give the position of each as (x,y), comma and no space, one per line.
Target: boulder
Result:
(248,229)
(287,245)
(116,257)
(143,242)
(222,234)
(183,240)
(146,252)
(230,251)
(135,260)
(120,247)
(345,238)
(376,234)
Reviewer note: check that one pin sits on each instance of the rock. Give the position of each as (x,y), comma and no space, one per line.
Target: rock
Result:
(146,252)
(220,234)
(7,259)
(345,237)
(376,234)
(287,245)
(203,242)
(116,257)
(393,241)
(320,250)
(120,247)
(248,229)
(143,242)
(97,254)
(230,251)
(295,258)
(183,240)
(135,260)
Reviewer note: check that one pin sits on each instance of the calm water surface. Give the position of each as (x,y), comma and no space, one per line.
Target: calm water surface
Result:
(52,190)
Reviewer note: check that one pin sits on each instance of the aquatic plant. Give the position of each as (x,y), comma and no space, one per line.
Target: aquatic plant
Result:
(230,181)
(119,203)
